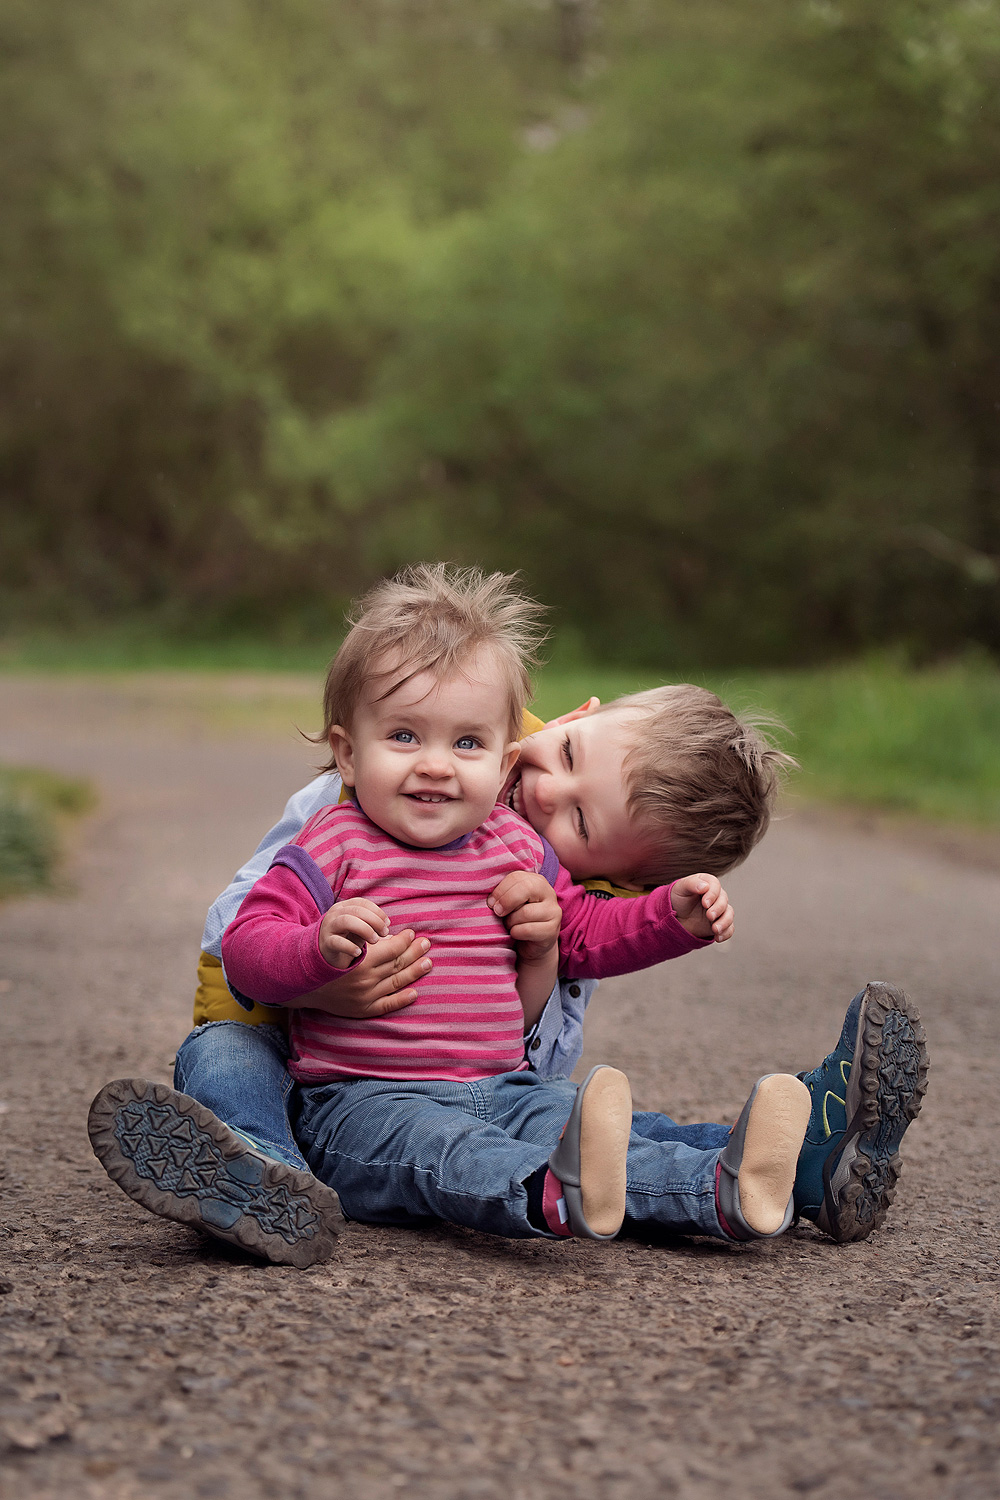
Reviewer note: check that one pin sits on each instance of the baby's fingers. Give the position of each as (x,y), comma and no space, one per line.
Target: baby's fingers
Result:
(339,951)
(359,928)
(340,927)
(360,906)
(514,891)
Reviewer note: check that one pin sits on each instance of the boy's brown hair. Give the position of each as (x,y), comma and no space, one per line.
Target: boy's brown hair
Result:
(700,783)
(433,618)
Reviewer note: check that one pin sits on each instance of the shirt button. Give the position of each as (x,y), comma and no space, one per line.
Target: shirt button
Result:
(535,1044)
(574,990)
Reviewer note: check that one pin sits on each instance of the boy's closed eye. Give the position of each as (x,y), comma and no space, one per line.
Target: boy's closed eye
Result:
(579,820)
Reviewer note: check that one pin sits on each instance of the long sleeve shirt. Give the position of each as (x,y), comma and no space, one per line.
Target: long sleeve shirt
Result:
(466,1021)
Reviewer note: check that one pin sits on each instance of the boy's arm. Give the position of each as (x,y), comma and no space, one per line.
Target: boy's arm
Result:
(321,792)
(380,983)
(271,950)
(617,935)
(554,1045)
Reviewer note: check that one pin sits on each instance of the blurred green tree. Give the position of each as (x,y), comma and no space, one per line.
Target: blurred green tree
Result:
(690,312)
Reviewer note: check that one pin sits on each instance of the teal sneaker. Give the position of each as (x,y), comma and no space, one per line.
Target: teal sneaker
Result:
(864,1095)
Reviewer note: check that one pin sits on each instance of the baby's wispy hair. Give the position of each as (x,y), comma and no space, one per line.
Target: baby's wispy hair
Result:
(434,618)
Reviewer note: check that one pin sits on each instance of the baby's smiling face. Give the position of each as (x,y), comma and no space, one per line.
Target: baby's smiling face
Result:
(428,761)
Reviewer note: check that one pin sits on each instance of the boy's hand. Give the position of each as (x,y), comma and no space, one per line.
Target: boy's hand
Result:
(702,907)
(530,911)
(379,984)
(347,926)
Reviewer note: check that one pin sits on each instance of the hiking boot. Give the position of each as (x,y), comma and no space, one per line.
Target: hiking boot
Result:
(176,1158)
(864,1095)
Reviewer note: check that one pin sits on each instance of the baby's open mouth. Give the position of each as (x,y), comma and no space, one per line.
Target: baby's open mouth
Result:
(428,797)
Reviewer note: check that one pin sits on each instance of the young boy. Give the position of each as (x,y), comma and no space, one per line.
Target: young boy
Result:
(571,784)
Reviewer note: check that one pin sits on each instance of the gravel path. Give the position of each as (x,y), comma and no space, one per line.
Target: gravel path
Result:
(138,1360)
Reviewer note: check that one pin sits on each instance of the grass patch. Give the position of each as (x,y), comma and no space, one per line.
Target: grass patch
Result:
(33,806)
(924,743)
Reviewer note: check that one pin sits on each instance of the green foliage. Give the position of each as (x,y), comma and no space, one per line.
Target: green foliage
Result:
(27,849)
(926,743)
(33,803)
(690,312)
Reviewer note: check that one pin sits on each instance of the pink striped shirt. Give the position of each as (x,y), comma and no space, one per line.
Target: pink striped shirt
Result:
(467,1020)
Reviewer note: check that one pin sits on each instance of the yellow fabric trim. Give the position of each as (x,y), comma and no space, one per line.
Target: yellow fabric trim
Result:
(597,884)
(213,1002)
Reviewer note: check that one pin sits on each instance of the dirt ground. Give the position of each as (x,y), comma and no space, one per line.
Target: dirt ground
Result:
(139,1360)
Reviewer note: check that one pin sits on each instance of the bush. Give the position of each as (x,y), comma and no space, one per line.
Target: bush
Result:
(33,804)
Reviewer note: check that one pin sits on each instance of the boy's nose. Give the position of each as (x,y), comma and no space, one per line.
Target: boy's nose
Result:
(546,794)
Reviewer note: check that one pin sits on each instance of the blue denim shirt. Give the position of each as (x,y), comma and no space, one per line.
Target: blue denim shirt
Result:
(552,1046)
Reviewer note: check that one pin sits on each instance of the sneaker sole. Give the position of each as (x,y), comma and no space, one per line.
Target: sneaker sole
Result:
(173,1156)
(885,1090)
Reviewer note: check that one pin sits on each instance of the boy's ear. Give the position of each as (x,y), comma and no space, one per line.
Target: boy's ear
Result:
(343,753)
(576,713)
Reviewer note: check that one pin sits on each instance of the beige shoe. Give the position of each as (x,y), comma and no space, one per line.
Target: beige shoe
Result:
(590,1158)
(757,1166)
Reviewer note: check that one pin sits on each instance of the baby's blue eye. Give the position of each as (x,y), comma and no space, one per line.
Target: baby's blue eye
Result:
(467,742)
(403,737)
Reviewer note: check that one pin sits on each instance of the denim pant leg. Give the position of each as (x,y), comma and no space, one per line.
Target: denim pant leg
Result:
(239,1073)
(653,1126)
(415,1152)
(671,1175)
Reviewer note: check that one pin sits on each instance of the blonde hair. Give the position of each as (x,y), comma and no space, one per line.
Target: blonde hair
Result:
(433,618)
(700,783)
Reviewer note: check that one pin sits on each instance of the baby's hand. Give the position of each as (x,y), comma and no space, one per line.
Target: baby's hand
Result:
(531,914)
(702,907)
(347,926)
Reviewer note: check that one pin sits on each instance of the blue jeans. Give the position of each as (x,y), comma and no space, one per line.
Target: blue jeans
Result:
(412,1153)
(239,1073)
